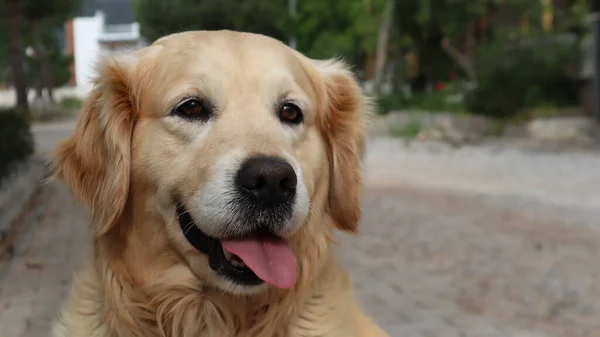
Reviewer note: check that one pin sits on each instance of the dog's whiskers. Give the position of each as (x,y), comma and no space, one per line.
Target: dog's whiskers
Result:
(188,228)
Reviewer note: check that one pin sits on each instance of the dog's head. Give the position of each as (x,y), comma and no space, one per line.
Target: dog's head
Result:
(245,150)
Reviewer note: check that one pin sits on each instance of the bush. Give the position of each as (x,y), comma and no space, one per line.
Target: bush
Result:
(442,100)
(394,101)
(511,78)
(16,141)
(65,109)
(408,130)
(72,103)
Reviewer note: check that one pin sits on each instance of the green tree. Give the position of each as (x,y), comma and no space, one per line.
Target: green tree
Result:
(42,17)
(445,35)
(382,44)
(162,17)
(12,18)
(344,28)
(59,70)
(323,29)
(4,52)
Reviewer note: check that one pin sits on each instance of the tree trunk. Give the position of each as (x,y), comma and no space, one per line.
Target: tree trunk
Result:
(382,43)
(464,59)
(49,81)
(45,66)
(16,55)
(547,15)
(39,91)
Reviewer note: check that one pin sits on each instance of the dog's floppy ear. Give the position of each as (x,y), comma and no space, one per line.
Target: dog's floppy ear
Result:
(95,161)
(345,124)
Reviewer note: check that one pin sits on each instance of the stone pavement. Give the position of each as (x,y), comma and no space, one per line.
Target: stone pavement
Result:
(36,280)
(426,264)
(48,135)
(447,264)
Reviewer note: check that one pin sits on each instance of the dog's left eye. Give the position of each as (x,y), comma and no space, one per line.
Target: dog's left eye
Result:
(193,109)
(290,113)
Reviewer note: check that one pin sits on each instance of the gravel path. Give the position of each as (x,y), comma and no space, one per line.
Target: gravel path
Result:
(48,135)
(432,263)
(36,280)
(563,179)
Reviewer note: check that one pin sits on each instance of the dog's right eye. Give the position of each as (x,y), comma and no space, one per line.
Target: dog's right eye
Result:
(192,109)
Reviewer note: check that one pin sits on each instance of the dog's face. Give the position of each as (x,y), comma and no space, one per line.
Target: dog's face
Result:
(236,142)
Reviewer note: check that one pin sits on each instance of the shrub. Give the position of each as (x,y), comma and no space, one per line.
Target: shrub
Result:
(443,100)
(512,77)
(66,108)
(16,141)
(408,130)
(73,103)
(394,101)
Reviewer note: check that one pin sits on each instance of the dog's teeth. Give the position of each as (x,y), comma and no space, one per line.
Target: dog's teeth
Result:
(233,259)
(238,263)
(228,255)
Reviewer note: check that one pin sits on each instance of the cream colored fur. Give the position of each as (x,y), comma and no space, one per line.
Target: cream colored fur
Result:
(128,158)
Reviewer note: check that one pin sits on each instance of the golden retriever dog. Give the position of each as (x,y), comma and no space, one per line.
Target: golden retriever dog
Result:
(216,166)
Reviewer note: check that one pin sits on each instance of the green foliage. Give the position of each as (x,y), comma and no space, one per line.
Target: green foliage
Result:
(4,51)
(342,28)
(576,18)
(5,54)
(451,17)
(394,101)
(446,100)
(54,11)
(42,17)
(416,30)
(409,130)
(422,25)
(71,103)
(60,68)
(162,17)
(323,29)
(59,63)
(515,75)
(16,141)
(61,73)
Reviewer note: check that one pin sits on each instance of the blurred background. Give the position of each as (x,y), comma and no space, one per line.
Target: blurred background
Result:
(482,172)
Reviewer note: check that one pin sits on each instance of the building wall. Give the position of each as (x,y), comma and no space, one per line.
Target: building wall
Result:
(86,32)
(119,46)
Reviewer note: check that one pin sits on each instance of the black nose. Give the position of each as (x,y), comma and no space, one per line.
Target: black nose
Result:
(268,180)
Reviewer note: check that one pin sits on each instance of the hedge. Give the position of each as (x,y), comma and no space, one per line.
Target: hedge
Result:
(16,141)
(510,79)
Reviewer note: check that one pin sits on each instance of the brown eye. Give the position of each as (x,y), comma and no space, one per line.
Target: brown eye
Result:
(290,113)
(192,109)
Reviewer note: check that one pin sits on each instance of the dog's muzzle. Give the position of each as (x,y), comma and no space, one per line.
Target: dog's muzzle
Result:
(249,247)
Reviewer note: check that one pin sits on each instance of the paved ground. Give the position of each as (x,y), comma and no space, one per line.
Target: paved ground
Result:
(472,242)
(48,135)
(36,280)
(448,264)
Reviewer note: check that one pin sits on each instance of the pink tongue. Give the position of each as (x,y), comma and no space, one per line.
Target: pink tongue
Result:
(270,259)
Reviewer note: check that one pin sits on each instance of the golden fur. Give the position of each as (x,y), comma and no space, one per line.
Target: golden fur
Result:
(127,159)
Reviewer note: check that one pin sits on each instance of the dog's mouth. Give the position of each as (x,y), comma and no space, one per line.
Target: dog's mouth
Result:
(248,260)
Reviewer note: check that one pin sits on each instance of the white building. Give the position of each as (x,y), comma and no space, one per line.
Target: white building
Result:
(104,26)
